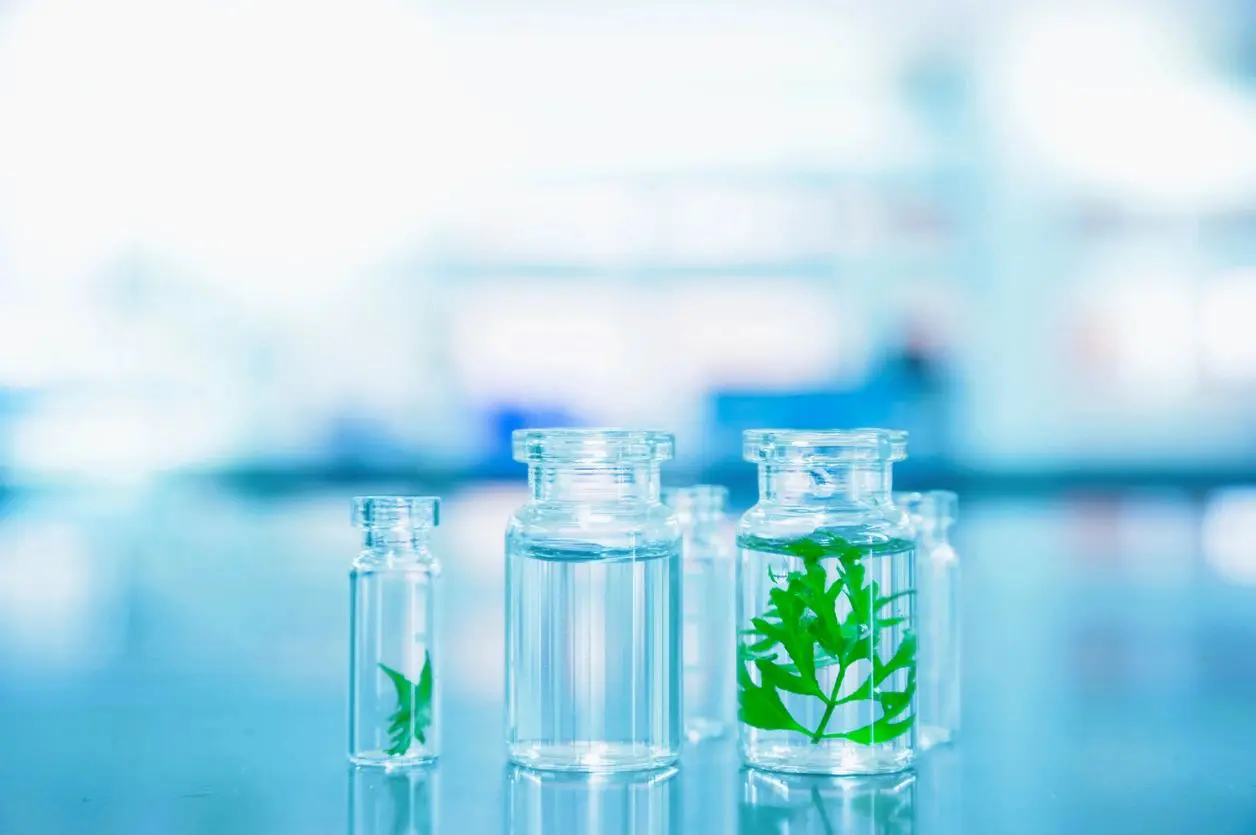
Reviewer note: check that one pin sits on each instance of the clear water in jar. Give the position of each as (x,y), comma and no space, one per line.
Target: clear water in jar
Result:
(593,656)
(827,661)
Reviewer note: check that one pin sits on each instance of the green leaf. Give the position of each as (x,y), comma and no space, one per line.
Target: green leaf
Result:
(423,700)
(884,601)
(878,732)
(775,675)
(413,715)
(903,658)
(761,707)
(400,721)
(895,702)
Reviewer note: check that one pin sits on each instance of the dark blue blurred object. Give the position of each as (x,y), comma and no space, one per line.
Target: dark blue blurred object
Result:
(505,419)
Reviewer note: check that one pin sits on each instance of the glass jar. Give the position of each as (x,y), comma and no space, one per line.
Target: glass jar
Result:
(708,567)
(393,692)
(937,576)
(593,604)
(826,667)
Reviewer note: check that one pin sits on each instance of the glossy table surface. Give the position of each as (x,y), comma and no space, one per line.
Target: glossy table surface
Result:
(172,660)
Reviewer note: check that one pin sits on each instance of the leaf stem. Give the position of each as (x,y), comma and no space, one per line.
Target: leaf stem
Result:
(831,705)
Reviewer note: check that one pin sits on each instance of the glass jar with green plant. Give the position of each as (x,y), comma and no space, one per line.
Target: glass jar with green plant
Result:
(826,642)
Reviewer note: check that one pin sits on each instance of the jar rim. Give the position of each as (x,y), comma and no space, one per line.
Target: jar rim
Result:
(592,446)
(396,512)
(808,446)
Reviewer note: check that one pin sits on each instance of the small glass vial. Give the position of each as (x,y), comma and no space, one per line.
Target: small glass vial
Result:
(707,557)
(938,580)
(593,605)
(826,668)
(393,659)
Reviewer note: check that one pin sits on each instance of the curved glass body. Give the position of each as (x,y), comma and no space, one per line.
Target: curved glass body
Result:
(826,666)
(393,657)
(938,583)
(593,605)
(708,608)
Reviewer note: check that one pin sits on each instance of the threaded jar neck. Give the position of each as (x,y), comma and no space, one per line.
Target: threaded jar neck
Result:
(588,483)
(592,464)
(396,523)
(832,466)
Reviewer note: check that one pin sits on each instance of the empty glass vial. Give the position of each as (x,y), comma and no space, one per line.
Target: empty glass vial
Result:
(393,659)
(938,605)
(707,557)
(826,671)
(593,604)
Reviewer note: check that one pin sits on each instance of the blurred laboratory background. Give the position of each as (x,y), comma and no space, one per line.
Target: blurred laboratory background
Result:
(256,258)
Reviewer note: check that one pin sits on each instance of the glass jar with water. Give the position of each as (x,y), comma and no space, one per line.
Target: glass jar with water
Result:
(826,667)
(393,705)
(593,604)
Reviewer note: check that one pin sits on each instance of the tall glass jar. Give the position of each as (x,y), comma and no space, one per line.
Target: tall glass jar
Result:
(593,604)
(393,660)
(707,557)
(826,668)
(938,582)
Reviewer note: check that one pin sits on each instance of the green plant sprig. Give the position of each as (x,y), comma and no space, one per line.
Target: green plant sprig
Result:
(414,708)
(802,622)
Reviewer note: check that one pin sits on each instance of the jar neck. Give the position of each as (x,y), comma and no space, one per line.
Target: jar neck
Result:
(572,483)
(397,541)
(826,484)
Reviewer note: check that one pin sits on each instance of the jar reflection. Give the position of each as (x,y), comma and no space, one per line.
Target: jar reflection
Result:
(546,803)
(783,804)
(401,802)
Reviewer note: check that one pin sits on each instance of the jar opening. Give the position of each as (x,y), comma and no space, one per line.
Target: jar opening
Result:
(698,499)
(396,512)
(591,446)
(823,446)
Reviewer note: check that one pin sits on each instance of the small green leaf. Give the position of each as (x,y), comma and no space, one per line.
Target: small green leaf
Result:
(413,715)
(401,720)
(774,675)
(876,733)
(761,707)
(423,700)
(883,601)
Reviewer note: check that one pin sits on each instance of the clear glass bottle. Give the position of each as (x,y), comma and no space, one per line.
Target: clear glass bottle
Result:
(709,568)
(797,804)
(556,803)
(593,604)
(826,669)
(938,584)
(393,657)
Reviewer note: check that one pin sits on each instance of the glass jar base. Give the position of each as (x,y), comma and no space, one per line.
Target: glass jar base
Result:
(701,730)
(598,757)
(389,762)
(843,759)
